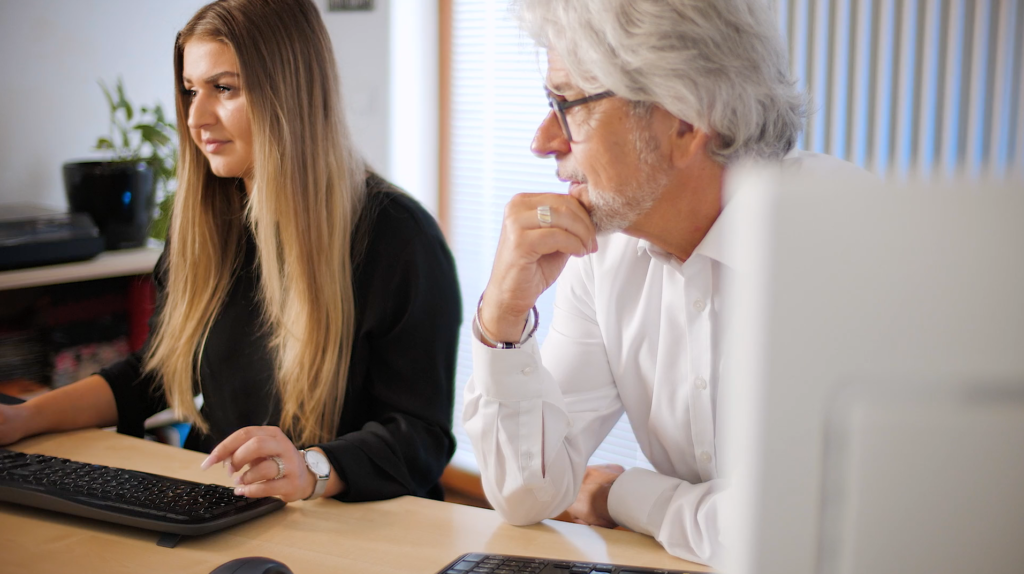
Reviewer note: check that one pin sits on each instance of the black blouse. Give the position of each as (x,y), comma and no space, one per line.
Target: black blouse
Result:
(394,436)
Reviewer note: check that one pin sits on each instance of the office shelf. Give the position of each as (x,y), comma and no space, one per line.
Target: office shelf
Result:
(120,263)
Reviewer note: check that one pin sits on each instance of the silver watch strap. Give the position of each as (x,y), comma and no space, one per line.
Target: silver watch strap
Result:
(321,481)
(318,490)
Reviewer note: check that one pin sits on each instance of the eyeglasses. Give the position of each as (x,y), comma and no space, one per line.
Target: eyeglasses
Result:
(559,107)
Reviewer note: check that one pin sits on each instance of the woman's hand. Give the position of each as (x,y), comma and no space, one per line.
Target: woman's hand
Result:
(258,447)
(13,423)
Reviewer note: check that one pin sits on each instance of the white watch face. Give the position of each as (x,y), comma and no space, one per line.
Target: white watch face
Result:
(317,463)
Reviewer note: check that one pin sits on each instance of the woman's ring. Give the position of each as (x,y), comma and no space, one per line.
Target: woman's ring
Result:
(544,215)
(280,466)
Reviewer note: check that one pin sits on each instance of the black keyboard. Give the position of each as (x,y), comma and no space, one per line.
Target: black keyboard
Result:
(503,564)
(140,499)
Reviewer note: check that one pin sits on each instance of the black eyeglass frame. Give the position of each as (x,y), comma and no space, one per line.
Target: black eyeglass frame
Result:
(559,107)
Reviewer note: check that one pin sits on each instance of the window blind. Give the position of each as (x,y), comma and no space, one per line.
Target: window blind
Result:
(497,102)
(912,87)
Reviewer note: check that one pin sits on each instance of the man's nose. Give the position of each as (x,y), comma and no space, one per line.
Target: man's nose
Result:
(549,139)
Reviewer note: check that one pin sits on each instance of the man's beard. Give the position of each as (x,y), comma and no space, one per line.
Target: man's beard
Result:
(615,210)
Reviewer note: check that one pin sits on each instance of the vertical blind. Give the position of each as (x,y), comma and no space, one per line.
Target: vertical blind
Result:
(899,87)
(912,87)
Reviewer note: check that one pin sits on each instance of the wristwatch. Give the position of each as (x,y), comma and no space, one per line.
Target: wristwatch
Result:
(318,464)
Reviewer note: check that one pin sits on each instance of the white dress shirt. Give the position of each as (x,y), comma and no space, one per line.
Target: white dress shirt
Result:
(634,329)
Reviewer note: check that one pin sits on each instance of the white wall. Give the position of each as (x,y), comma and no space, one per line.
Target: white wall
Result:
(53,53)
(414,99)
(361,43)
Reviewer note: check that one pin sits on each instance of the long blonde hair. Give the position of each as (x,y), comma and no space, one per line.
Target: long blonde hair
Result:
(308,191)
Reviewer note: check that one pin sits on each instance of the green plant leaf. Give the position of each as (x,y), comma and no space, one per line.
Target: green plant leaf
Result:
(110,99)
(122,100)
(152,135)
(104,143)
(158,229)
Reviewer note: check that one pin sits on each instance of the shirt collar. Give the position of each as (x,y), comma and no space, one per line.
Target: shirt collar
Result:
(712,246)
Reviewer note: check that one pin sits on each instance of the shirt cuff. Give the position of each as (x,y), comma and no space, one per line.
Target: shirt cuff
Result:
(508,374)
(639,499)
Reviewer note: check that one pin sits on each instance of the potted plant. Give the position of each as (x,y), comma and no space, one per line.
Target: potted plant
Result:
(120,193)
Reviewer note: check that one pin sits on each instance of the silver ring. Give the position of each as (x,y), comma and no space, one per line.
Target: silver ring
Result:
(280,467)
(544,215)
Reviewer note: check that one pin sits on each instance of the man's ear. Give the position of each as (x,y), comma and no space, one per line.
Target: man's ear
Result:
(688,143)
(683,128)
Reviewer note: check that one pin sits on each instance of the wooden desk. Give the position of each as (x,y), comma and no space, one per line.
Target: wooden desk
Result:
(402,536)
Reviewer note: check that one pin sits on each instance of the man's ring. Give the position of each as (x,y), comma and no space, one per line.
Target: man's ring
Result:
(544,215)
(280,466)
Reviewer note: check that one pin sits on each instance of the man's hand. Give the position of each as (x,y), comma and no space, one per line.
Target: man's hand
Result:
(530,257)
(591,506)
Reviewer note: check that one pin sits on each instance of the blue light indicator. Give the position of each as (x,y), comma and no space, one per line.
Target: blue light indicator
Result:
(126,198)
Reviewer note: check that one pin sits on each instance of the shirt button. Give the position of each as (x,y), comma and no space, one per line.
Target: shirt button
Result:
(699,305)
(700,383)
(527,371)
(705,456)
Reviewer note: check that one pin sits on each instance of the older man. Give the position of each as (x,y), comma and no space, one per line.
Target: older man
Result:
(652,101)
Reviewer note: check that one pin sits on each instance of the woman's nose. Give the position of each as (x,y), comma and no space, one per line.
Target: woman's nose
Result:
(200,112)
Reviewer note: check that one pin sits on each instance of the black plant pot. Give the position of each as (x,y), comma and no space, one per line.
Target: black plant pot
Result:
(119,195)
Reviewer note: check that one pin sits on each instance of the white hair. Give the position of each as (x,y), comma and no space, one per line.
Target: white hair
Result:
(717,64)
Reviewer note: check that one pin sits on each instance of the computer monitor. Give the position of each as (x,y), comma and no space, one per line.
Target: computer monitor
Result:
(872,395)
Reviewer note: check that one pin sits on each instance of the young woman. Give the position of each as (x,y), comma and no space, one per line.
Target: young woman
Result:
(310,302)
